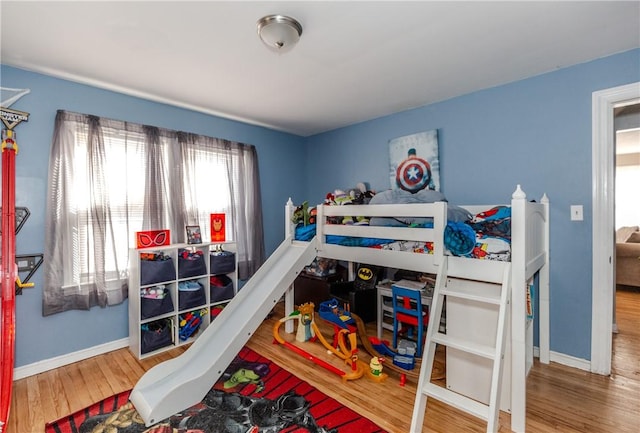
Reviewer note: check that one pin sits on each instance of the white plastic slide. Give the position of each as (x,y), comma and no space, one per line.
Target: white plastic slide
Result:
(181,382)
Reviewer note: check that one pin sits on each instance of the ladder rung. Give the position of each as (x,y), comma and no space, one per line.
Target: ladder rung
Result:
(457,400)
(473,297)
(483,350)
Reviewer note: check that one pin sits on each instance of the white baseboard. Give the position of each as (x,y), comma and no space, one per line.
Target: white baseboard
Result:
(570,361)
(567,360)
(59,361)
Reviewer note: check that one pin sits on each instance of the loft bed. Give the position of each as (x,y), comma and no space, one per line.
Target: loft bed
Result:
(528,254)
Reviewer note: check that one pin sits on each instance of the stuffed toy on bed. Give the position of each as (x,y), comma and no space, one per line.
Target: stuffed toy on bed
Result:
(358,195)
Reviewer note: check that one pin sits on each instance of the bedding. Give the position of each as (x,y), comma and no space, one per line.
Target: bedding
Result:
(400,196)
(306,233)
(485,235)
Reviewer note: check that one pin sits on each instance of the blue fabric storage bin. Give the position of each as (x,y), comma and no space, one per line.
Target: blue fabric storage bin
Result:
(222,262)
(150,307)
(156,271)
(190,295)
(156,335)
(193,266)
(220,288)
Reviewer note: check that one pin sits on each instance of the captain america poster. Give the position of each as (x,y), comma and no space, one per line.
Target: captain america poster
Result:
(414,163)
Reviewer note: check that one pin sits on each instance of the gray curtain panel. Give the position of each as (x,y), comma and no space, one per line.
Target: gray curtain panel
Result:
(109,179)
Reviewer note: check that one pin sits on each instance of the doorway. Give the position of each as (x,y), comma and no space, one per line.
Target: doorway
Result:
(603,168)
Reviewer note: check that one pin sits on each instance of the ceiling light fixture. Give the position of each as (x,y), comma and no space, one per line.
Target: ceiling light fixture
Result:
(278,32)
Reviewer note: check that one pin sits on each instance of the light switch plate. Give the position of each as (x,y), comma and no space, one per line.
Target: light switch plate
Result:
(576,212)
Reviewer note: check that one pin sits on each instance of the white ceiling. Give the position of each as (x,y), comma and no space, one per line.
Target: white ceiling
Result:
(356,60)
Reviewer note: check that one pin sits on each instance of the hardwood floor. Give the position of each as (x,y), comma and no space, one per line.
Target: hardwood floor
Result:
(559,398)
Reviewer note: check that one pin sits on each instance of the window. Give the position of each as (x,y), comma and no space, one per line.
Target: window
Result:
(627,175)
(125,189)
(109,179)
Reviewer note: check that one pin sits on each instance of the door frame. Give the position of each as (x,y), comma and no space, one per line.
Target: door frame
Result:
(603,229)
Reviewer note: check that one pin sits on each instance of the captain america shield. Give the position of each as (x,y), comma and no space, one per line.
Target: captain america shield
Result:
(413,174)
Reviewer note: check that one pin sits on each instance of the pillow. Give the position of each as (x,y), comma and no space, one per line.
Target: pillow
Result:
(397,196)
(634,238)
(458,214)
(400,196)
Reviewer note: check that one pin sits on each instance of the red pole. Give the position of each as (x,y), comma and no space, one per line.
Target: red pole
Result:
(8,273)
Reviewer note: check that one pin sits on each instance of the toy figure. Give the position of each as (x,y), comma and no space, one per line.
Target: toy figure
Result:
(376,366)
(301,215)
(305,320)
(358,195)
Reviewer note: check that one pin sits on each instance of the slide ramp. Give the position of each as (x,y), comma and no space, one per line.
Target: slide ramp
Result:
(181,382)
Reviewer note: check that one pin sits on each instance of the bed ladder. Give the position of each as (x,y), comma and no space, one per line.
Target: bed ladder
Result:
(456,278)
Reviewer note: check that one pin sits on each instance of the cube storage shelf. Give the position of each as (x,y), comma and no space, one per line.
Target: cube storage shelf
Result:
(174,298)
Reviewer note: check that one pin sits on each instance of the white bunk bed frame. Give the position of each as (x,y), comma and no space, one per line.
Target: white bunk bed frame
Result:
(529,256)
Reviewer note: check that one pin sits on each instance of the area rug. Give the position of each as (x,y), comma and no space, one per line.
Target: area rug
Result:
(254,395)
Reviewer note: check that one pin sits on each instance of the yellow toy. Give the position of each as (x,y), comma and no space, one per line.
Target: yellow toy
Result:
(376,366)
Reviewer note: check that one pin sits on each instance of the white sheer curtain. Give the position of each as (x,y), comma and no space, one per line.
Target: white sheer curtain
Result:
(109,179)
(222,176)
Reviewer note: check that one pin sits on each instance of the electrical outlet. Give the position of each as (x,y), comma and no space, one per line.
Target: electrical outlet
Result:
(576,212)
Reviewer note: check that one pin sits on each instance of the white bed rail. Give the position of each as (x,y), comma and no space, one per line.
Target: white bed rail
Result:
(374,256)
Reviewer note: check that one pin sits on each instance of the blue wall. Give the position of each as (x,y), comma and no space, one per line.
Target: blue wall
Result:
(281,159)
(536,132)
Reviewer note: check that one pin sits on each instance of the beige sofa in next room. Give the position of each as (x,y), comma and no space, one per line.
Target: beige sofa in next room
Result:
(628,256)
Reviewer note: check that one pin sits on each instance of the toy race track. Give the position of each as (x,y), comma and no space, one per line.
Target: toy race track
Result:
(357,370)
(438,370)
(309,331)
